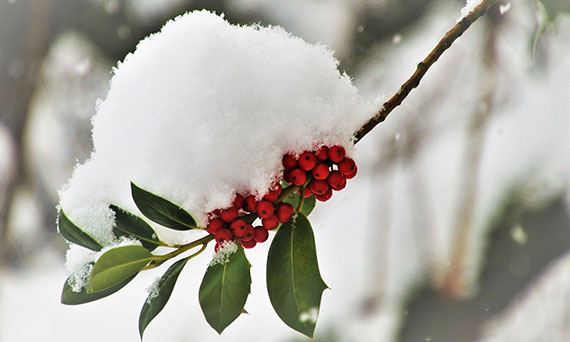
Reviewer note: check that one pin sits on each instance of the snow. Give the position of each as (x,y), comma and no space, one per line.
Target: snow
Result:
(222,256)
(204,109)
(153,290)
(469,7)
(504,8)
(78,259)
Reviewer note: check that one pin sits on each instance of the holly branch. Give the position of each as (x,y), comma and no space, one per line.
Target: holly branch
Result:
(422,67)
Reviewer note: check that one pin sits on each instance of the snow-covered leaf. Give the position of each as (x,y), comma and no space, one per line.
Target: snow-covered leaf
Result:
(118,264)
(159,296)
(130,225)
(70,297)
(74,234)
(162,211)
(224,290)
(294,281)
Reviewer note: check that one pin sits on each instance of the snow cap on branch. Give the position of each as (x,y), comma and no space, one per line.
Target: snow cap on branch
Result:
(204,109)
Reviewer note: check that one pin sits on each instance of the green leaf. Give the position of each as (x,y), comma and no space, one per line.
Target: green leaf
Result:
(308,205)
(74,234)
(550,11)
(128,224)
(224,290)
(294,282)
(155,302)
(118,264)
(70,297)
(161,210)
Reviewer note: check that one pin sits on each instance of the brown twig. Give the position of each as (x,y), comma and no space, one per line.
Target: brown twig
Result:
(423,67)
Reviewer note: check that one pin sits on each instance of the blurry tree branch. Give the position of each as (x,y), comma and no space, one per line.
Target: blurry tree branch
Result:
(444,44)
(15,96)
(454,283)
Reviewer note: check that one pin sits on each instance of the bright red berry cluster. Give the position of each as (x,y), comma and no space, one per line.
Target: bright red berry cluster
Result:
(318,172)
(229,223)
(328,168)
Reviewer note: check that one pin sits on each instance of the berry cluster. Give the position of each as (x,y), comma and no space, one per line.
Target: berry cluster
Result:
(318,173)
(230,223)
(327,168)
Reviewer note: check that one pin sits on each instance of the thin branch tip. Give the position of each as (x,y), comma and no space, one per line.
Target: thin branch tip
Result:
(422,67)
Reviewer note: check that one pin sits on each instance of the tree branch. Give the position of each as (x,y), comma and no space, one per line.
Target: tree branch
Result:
(423,67)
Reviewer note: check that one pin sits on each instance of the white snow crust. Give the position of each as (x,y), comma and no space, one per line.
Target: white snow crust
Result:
(204,109)
(469,7)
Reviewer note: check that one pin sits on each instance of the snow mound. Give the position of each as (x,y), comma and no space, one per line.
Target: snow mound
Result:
(204,109)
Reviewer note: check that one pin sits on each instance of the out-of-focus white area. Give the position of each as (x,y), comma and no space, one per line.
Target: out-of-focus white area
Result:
(73,76)
(373,239)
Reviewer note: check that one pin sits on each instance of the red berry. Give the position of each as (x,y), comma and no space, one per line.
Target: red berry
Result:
(323,153)
(289,161)
(319,187)
(230,214)
(250,204)
(238,201)
(321,171)
(248,244)
(324,197)
(298,177)
(346,166)
(336,153)
(238,227)
(214,225)
(351,175)
(286,174)
(222,235)
(214,213)
(264,209)
(270,222)
(272,195)
(261,234)
(336,181)
(284,212)
(307,161)
(308,192)
(249,233)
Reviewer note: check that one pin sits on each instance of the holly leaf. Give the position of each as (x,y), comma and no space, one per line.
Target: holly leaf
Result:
(294,281)
(117,265)
(70,297)
(224,290)
(156,300)
(74,234)
(161,210)
(130,225)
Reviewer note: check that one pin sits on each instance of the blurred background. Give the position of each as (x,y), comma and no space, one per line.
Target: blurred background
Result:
(456,229)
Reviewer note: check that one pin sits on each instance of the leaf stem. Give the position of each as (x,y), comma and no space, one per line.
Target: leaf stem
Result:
(286,192)
(301,200)
(159,259)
